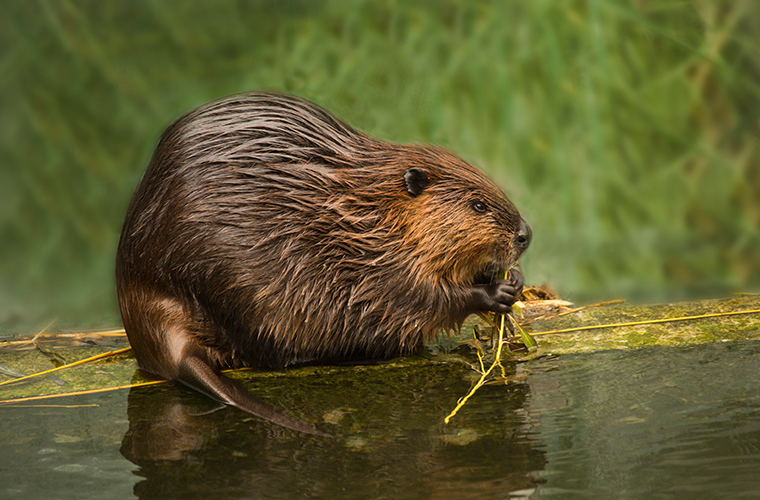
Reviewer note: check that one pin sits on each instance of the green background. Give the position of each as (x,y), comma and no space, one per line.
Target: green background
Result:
(625,131)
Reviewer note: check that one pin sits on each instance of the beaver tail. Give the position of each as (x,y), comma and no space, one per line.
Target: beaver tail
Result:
(196,373)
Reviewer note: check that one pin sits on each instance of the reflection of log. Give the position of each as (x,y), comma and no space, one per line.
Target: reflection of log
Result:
(390,440)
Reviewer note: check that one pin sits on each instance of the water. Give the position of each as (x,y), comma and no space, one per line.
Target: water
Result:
(653,423)
(648,423)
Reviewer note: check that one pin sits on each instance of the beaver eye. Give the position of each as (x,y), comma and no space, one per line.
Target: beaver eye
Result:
(479,206)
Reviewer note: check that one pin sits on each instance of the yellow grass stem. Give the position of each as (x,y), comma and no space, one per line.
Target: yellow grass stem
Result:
(483,375)
(112,331)
(50,406)
(648,322)
(76,363)
(7,402)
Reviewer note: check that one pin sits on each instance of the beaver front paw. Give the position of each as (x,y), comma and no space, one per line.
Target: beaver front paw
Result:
(499,295)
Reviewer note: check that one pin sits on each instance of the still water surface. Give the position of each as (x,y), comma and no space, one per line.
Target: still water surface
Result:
(648,423)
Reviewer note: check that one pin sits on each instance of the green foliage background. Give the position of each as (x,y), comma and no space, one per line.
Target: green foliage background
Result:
(626,131)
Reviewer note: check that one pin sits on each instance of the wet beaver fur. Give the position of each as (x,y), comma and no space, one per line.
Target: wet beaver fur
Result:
(268,233)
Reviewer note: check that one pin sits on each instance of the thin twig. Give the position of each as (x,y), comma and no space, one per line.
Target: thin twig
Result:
(576,309)
(598,304)
(34,339)
(113,333)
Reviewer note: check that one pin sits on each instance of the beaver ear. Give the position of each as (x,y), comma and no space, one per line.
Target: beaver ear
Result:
(416,181)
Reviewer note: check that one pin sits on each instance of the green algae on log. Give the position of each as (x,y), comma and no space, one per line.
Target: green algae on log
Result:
(671,333)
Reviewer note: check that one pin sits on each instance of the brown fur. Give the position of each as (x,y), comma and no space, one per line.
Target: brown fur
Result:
(266,232)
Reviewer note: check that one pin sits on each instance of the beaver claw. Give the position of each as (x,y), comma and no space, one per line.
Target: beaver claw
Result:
(499,295)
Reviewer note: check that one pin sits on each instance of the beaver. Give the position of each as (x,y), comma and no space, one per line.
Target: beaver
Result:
(268,233)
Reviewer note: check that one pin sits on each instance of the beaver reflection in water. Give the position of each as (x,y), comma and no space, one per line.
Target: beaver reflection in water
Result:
(268,233)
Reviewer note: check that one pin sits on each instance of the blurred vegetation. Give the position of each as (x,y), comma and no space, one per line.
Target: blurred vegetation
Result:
(626,131)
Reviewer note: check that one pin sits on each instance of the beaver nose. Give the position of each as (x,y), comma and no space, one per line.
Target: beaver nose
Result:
(524,235)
